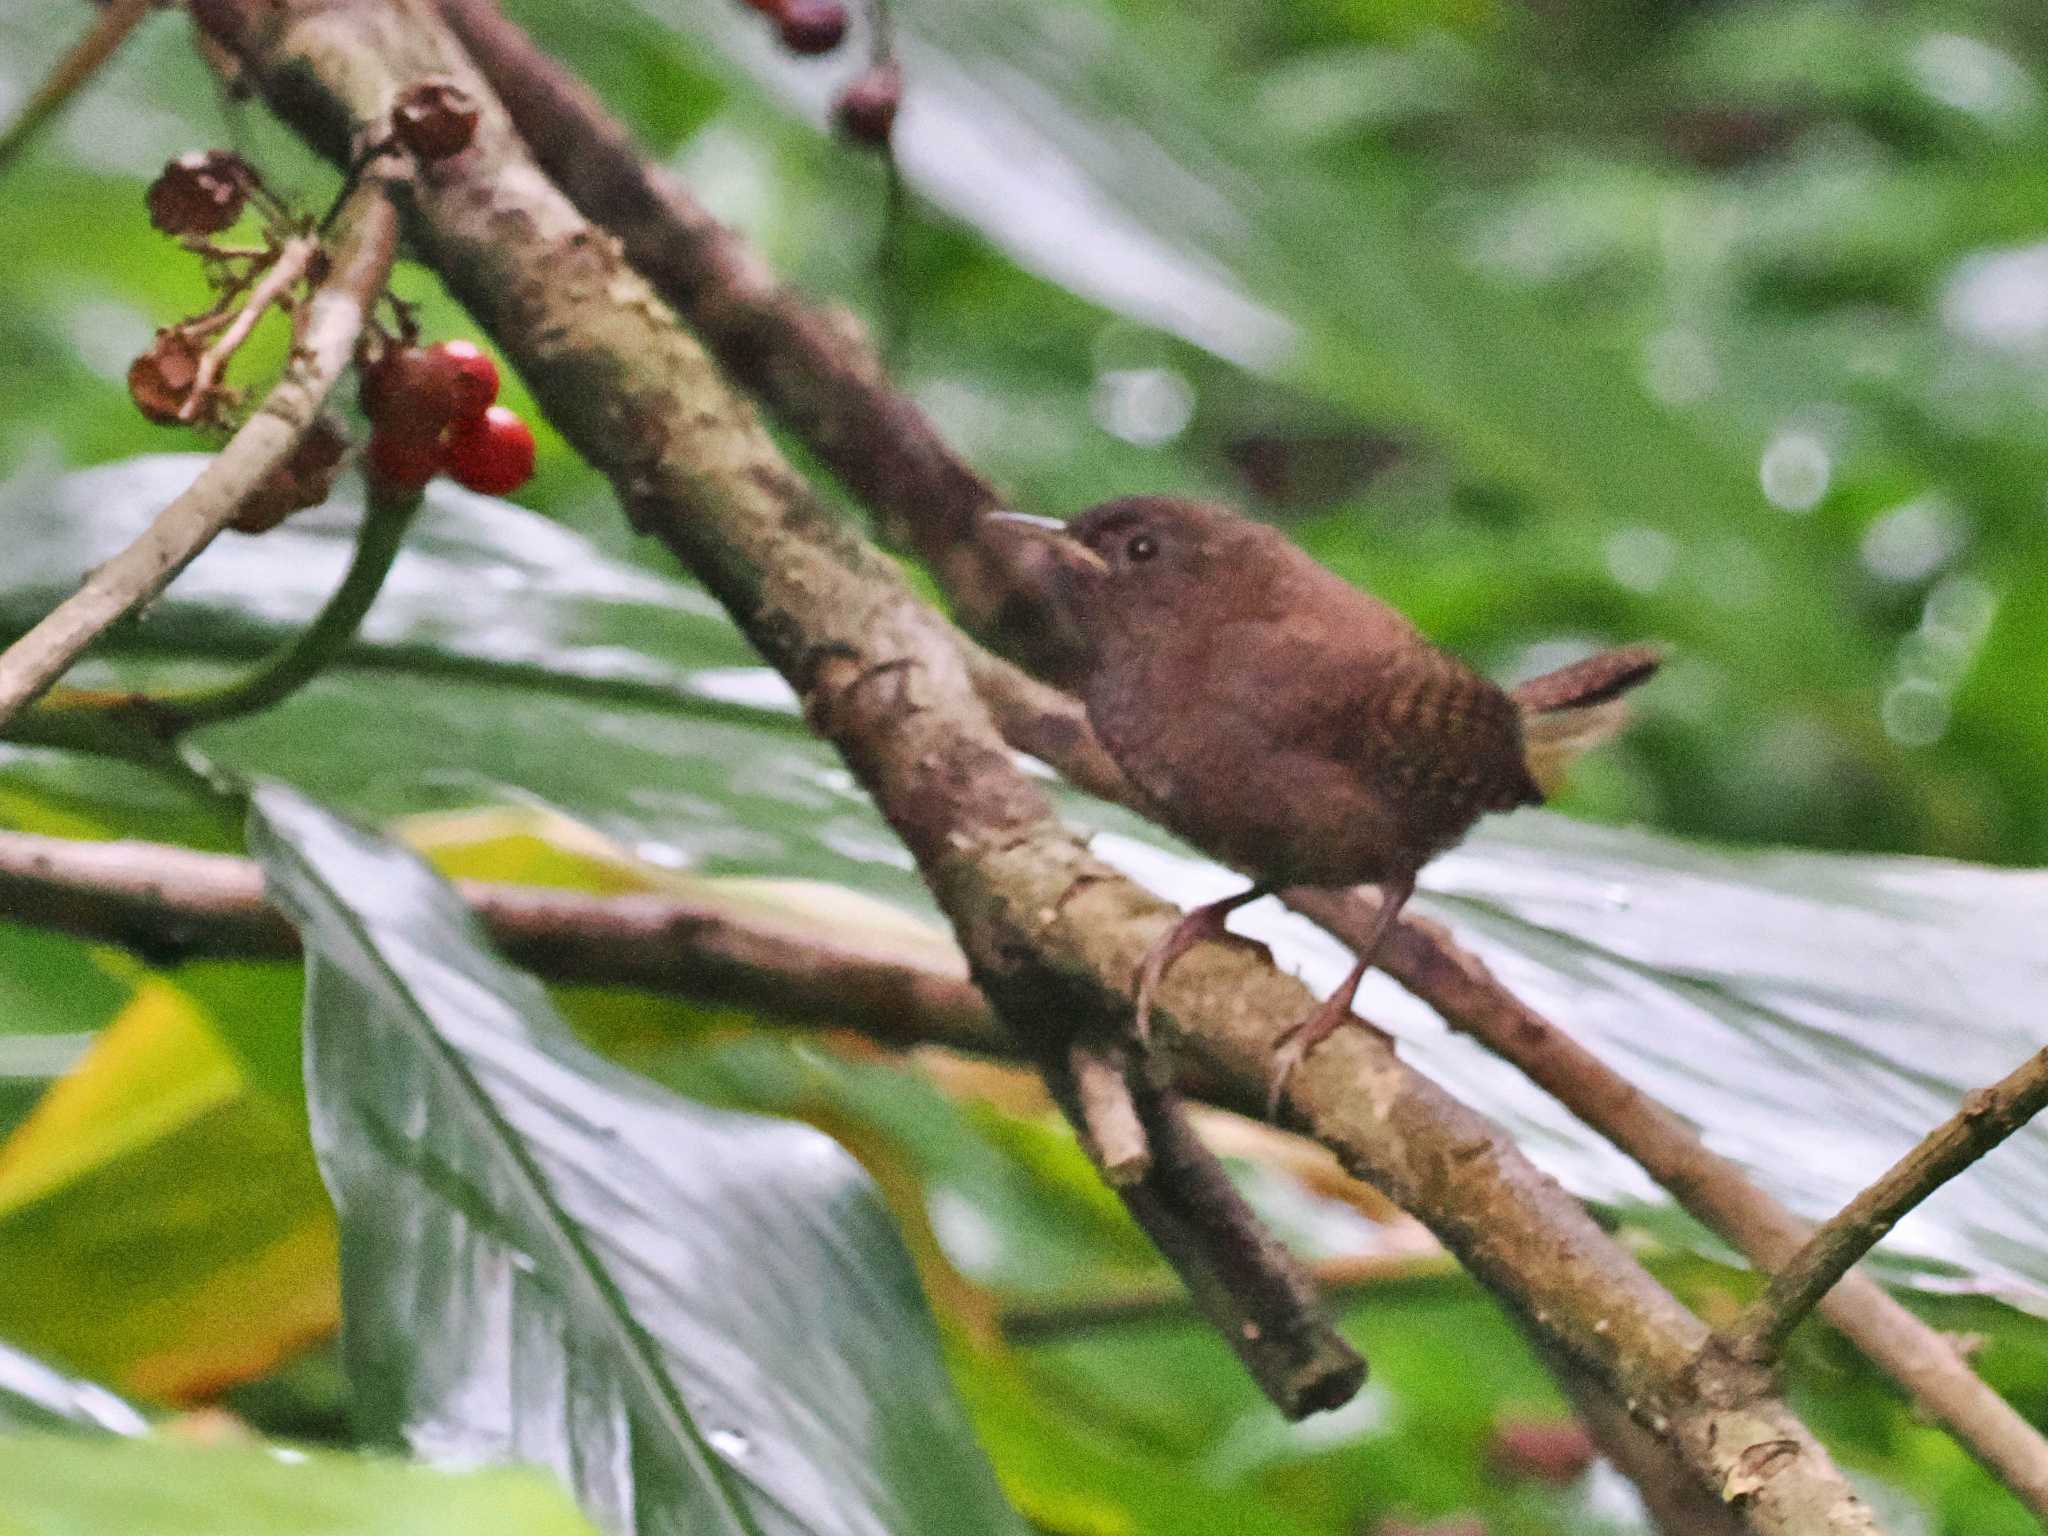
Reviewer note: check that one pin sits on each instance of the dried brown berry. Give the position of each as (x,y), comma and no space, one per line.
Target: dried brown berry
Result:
(160,381)
(435,119)
(304,480)
(866,109)
(200,193)
(811,26)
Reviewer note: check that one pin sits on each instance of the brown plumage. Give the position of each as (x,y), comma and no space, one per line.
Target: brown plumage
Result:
(1293,726)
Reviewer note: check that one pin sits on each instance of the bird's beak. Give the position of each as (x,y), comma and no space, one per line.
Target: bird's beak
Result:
(1062,545)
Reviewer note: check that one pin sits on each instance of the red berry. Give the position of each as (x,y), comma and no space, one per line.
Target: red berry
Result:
(811,26)
(435,119)
(413,392)
(866,109)
(492,455)
(404,460)
(475,376)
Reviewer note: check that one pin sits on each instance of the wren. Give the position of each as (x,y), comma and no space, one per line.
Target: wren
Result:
(1291,725)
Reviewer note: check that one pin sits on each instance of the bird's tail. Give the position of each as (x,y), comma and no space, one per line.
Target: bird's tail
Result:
(1575,708)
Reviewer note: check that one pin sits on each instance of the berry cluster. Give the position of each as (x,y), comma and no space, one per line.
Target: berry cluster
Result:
(431,409)
(866,109)
(805,26)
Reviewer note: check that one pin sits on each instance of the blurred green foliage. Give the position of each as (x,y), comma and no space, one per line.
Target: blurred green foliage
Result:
(1555,323)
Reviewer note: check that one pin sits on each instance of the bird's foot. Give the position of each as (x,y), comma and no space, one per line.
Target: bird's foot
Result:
(1202,925)
(1293,1047)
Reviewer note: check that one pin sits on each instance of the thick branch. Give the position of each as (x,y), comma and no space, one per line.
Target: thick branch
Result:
(826,385)
(877,669)
(1425,959)
(1052,935)
(814,367)
(172,904)
(365,243)
(1987,1117)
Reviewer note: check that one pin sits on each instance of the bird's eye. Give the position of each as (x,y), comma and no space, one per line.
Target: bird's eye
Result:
(1142,547)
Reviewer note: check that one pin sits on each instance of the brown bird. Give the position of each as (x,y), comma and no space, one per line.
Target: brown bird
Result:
(1293,726)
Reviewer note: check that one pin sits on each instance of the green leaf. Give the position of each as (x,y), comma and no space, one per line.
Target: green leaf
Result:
(65,1487)
(514,660)
(36,1396)
(134,1245)
(703,1321)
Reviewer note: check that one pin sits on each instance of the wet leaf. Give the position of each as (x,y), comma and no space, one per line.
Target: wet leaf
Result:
(66,1487)
(701,1320)
(135,1244)
(35,1396)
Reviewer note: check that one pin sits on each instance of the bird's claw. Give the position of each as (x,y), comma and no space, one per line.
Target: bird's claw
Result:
(1287,1055)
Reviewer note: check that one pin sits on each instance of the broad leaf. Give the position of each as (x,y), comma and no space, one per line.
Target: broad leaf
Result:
(703,1321)
(67,1487)
(645,730)
(135,1245)
(35,1396)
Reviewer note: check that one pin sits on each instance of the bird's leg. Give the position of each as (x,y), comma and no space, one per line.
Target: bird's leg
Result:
(1196,927)
(1336,1008)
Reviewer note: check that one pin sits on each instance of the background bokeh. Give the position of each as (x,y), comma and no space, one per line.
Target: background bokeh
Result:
(1555,322)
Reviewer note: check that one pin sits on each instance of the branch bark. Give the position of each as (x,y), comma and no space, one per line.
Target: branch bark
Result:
(1051,934)
(1987,1117)
(365,243)
(813,367)
(1425,959)
(878,671)
(816,372)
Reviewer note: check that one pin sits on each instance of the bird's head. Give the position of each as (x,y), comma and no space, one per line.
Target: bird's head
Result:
(1136,557)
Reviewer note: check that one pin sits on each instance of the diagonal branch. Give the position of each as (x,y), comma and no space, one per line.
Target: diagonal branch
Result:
(1987,1117)
(1425,959)
(1052,935)
(879,672)
(366,241)
(827,385)
(812,366)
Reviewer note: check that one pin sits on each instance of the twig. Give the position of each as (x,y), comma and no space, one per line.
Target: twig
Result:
(112,27)
(1425,959)
(143,726)
(1987,1117)
(386,517)
(1112,1130)
(290,265)
(826,384)
(1341,1279)
(171,903)
(1053,936)
(812,366)
(334,316)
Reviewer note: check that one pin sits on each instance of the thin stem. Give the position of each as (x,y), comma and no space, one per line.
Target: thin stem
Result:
(1425,958)
(113,26)
(309,652)
(367,242)
(1987,1118)
(289,267)
(1340,1279)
